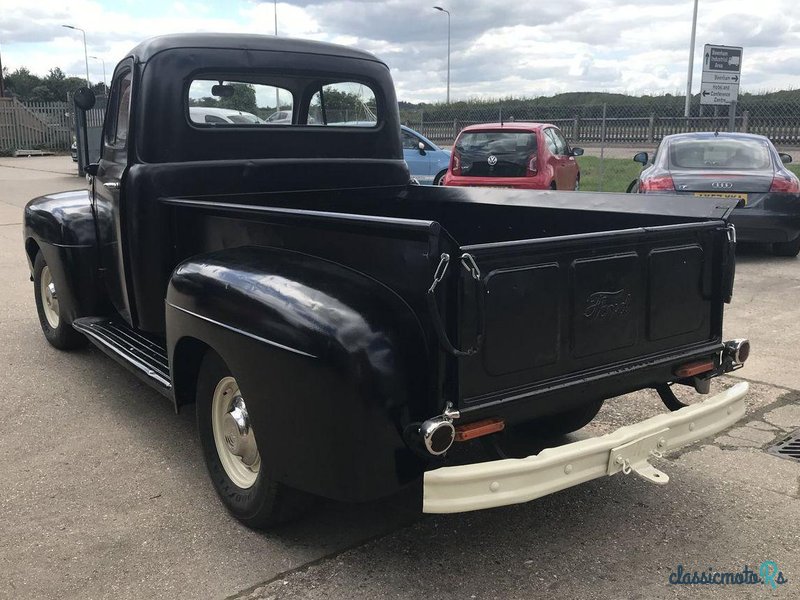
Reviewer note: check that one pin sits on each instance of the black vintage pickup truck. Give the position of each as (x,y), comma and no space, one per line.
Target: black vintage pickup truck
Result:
(338,329)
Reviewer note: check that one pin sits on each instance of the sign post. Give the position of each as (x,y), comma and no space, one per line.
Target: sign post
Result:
(722,68)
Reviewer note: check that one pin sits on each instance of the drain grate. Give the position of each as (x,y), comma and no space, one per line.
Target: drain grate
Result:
(789,447)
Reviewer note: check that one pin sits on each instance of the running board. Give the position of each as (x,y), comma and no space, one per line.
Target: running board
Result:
(142,354)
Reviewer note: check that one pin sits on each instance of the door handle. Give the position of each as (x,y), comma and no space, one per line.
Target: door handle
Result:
(112,185)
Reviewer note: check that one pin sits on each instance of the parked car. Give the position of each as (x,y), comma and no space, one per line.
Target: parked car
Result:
(225,116)
(426,161)
(337,329)
(73,151)
(515,155)
(743,166)
(280,117)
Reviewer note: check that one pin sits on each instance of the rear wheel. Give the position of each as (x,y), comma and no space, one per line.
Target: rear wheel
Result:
(232,455)
(786,248)
(57,328)
(553,186)
(577,184)
(439,179)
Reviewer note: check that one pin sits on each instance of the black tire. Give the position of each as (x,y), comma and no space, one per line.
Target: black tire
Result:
(266,503)
(790,249)
(439,179)
(633,187)
(60,335)
(577,184)
(553,186)
(561,424)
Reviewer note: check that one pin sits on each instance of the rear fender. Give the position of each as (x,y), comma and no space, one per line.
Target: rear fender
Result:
(332,364)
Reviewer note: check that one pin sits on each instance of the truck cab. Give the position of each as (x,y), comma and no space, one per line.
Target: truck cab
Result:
(337,328)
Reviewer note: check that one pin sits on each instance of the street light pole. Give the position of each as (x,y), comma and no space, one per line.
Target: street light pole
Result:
(85,51)
(439,8)
(277,92)
(688,107)
(105,85)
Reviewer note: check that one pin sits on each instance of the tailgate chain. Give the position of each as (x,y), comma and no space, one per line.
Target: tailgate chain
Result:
(468,262)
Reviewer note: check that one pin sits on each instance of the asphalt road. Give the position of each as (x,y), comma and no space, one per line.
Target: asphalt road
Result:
(105,494)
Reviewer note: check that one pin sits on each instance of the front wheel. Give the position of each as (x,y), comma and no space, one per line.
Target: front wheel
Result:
(786,248)
(232,455)
(57,328)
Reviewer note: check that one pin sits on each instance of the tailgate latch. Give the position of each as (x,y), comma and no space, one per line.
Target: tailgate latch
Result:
(634,456)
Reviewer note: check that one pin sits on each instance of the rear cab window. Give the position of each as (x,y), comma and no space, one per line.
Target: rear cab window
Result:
(227,101)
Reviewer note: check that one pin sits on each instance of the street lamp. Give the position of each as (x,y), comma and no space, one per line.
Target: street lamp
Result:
(687,108)
(85,52)
(105,85)
(440,9)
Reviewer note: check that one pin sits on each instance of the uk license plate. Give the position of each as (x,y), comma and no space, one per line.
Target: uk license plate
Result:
(722,195)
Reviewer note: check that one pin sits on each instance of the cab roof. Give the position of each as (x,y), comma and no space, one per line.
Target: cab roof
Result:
(241,41)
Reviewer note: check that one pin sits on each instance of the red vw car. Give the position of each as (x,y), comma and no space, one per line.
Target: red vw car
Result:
(518,155)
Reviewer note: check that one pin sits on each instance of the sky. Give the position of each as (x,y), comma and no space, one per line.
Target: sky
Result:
(500,48)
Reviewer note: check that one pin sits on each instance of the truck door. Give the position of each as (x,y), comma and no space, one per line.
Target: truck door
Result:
(107,187)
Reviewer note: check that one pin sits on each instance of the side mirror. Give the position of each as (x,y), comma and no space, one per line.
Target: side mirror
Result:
(84,98)
(91,169)
(577,152)
(421,147)
(641,157)
(785,158)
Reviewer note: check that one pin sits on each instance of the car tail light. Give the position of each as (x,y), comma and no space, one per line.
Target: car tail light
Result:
(662,183)
(533,165)
(784,184)
(455,163)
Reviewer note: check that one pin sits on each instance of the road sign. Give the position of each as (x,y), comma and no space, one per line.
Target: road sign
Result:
(718,93)
(722,66)
(712,77)
(727,59)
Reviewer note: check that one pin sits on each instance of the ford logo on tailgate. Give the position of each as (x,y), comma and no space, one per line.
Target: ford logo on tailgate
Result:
(605,305)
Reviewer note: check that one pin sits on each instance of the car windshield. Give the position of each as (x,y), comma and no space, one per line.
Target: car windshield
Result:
(719,154)
(497,142)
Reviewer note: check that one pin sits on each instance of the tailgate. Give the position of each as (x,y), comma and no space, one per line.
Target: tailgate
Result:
(578,310)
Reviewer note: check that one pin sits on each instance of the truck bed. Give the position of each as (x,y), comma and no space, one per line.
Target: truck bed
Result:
(586,296)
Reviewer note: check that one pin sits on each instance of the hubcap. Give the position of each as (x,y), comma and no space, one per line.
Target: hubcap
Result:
(233,434)
(49,298)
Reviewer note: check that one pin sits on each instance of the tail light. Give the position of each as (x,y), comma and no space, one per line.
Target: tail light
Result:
(455,163)
(785,184)
(533,165)
(661,183)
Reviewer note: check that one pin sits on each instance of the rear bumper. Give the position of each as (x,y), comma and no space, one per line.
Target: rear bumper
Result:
(758,225)
(513,481)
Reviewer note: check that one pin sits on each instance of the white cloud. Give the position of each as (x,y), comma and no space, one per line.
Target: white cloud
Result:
(499,48)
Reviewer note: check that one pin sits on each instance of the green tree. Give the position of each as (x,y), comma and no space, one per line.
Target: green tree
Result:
(243,98)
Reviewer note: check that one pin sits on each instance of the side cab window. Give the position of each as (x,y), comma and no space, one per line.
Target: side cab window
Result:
(115,138)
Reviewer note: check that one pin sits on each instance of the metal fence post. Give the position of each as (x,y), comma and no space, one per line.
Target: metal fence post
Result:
(651,127)
(745,120)
(603,146)
(732,116)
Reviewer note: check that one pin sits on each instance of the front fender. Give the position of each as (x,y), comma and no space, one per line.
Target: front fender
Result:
(61,226)
(332,363)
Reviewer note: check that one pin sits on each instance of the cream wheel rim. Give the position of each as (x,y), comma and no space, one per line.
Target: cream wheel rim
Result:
(49,298)
(233,434)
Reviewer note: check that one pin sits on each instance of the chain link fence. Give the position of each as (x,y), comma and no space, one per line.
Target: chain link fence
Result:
(613,124)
